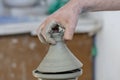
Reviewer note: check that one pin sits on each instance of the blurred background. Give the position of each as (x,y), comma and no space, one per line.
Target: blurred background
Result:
(96,41)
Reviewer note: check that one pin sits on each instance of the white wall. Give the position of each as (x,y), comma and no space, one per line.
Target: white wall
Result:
(1,8)
(108,44)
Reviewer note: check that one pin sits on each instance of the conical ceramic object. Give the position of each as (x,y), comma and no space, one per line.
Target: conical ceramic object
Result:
(59,63)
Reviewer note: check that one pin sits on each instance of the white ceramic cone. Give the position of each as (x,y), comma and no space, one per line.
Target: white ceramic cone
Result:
(59,59)
(59,63)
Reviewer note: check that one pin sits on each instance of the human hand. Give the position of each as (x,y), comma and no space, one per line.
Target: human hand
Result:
(67,16)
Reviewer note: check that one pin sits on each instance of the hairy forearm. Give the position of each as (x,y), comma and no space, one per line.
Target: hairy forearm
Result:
(97,5)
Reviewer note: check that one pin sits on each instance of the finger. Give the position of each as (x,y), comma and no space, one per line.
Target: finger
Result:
(41,38)
(69,32)
(50,40)
(39,33)
(39,29)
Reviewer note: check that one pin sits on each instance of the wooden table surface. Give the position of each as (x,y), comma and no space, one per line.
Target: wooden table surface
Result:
(20,54)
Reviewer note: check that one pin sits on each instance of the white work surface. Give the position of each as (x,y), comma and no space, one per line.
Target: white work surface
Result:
(85,25)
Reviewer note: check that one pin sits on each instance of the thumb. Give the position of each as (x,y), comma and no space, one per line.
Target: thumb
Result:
(69,32)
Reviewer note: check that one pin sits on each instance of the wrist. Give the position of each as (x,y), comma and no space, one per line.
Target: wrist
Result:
(75,6)
(84,5)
